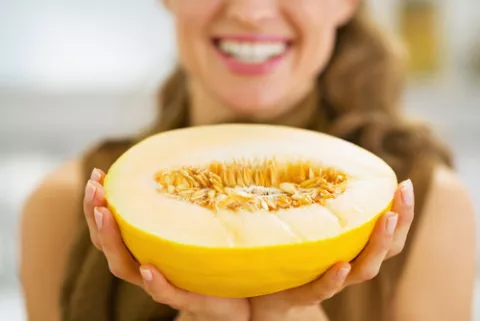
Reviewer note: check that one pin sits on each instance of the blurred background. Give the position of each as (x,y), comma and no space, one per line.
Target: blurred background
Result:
(75,72)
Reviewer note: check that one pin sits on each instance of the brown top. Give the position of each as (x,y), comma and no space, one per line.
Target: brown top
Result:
(92,293)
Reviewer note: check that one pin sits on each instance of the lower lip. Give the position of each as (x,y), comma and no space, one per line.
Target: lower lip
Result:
(251,69)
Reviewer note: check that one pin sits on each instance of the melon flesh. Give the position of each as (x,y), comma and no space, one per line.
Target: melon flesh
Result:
(245,253)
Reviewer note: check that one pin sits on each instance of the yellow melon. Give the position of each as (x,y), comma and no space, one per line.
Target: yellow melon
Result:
(245,210)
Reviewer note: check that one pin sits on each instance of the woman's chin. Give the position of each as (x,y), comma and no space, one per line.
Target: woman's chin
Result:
(252,104)
(255,110)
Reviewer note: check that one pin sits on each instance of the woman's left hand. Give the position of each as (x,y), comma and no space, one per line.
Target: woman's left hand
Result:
(387,240)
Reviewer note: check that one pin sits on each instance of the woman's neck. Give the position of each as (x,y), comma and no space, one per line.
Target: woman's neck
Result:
(204,110)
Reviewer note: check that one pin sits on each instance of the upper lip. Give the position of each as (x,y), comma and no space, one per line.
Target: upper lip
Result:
(253,38)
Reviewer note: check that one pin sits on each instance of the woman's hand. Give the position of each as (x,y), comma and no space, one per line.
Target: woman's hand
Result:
(105,235)
(388,240)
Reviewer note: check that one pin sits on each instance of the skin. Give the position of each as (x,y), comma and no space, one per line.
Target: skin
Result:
(436,261)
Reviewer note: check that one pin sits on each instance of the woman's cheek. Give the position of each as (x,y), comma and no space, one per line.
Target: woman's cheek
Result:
(200,10)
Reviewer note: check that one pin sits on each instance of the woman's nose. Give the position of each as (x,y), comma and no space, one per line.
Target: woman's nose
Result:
(251,12)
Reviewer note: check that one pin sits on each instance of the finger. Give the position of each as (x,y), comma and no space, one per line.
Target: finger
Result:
(321,289)
(404,205)
(368,263)
(94,197)
(97,175)
(163,292)
(120,261)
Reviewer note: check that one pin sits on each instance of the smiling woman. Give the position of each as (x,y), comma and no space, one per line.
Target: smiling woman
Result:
(317,65)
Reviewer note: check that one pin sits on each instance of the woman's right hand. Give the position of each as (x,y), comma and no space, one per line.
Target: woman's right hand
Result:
(105,235)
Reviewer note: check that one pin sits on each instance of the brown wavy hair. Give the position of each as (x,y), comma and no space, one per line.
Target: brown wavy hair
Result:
(359,100)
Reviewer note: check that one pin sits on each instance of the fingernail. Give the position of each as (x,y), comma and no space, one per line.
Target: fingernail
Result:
(391,223)
(98,218)
(90,192)
(146,274)
(95,176)
(343,272)
(407,193)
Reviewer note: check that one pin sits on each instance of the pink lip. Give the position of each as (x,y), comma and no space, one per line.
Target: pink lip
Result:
(251,69)
(255,38)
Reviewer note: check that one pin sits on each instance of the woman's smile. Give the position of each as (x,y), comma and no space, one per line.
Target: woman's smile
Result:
(252,54)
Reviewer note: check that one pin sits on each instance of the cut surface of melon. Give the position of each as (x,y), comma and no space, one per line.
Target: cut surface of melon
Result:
(188,197)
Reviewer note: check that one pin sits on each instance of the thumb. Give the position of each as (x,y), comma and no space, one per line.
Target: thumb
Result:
(164,292)
(321,289)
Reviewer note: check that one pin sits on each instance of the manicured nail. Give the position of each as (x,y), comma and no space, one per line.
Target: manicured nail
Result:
(98,218)
(343,272)
(90,191)
(407,193)
(95,176)
(146,274)
(391,223)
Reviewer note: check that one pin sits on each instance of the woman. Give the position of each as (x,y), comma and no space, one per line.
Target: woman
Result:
(307,63)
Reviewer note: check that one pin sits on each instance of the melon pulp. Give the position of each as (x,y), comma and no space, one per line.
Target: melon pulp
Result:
(259,208)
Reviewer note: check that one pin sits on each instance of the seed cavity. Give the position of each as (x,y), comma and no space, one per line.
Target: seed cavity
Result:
(265,185)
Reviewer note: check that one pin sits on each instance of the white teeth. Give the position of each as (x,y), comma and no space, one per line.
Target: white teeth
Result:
(252,52)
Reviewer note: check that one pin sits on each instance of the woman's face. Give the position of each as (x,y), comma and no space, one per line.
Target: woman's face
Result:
(257,56)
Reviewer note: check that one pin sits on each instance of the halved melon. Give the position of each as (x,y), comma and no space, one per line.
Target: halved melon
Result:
(246,210)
